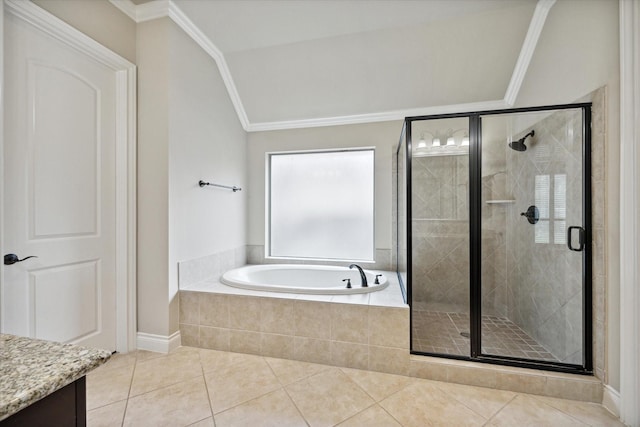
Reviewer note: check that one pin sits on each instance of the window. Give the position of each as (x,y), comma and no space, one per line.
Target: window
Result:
(551,226)
(321,205)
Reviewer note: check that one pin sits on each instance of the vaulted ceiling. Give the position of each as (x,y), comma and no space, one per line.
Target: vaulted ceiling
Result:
(311,62)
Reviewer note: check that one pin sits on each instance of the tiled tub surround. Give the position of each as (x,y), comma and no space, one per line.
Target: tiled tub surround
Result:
(364,331)
(369,331)
(210,267)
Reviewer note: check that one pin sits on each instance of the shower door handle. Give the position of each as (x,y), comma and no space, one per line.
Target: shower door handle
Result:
(581,238)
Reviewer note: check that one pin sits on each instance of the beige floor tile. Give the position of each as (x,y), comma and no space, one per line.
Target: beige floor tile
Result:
(271,410)
(166,370)
(214,360)
(423,403)
(107,416)
(527,411)
(240,383)
(142,355)
(592,414)
(176,405)
(328,398)
(247,390)
(484,401)
(373,416)
(207,422)
(376,384)
(105,386)
(289,371)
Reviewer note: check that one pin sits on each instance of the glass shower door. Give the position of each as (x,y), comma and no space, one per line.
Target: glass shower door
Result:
(533,235)
(439,236)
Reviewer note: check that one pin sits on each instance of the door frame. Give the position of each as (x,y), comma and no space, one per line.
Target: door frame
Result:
(126,120)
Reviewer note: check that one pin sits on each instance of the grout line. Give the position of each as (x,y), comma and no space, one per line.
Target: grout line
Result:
(501,409)
(358,413)
(126,405)
(296,406)
(356,383)
(206,387)
(451,396)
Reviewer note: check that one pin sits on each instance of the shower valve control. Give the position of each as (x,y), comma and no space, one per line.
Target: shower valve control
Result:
(348,283)
(532,214)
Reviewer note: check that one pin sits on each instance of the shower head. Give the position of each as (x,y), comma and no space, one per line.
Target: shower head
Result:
(519,144)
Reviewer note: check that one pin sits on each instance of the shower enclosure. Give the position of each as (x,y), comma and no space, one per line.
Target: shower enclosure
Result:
(493,215)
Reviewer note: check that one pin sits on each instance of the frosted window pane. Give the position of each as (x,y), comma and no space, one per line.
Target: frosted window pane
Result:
(542,231)
(321,205)
(559,232)
(560,196)
(542,195)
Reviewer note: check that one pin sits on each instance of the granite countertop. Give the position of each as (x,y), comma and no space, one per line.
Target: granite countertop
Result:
(31,369)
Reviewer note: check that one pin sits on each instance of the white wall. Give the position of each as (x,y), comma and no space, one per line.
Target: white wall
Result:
(153,176)
(206,142)
(383,136)
(188,130)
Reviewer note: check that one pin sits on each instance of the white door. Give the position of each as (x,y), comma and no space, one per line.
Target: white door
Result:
(59,190)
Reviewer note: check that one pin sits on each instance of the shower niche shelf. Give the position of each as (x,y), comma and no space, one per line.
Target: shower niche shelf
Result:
(500,202)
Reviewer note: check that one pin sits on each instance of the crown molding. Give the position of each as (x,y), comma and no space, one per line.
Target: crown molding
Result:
(127,7)
(203,41)
(376,117)
(152,10)
(143,12)
(528,48)
(168,8)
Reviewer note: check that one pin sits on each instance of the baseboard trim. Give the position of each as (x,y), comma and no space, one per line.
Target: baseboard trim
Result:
(611,400)
(158,343)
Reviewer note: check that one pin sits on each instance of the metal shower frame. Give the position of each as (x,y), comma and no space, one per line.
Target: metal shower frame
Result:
(475,233)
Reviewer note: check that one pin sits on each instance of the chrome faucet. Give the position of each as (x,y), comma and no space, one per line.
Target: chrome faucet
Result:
(363,277)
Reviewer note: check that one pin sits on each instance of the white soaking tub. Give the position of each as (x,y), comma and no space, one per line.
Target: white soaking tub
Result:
(302,279)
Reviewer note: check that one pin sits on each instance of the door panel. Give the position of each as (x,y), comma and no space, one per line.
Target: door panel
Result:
(76,315)
(65,139)
(532,283)
(59,187)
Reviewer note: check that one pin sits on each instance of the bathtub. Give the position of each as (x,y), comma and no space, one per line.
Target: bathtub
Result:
(301,279)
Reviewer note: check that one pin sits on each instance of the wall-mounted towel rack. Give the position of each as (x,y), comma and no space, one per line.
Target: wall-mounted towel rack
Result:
(201,183)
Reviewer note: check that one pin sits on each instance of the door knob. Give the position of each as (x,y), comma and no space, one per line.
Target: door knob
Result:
(10,259)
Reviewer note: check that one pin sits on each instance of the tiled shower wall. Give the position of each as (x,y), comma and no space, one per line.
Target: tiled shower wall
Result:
(440,229)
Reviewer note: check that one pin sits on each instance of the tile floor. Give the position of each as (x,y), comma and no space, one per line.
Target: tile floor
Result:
(197,387)
(440,332)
